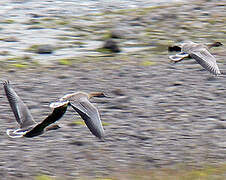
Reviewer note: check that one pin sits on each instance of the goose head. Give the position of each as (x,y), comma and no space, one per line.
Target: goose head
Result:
(96,94)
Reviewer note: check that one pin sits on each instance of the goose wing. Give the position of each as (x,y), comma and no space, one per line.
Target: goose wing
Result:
(206,60)
(52,118)
(90,115)
(20,110)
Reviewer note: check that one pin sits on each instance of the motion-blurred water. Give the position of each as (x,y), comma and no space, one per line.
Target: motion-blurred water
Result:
(159,115)
(19,20)
(74,7)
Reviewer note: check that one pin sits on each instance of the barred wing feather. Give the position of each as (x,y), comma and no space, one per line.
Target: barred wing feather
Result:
(206,60)
(20,110)
(90,115)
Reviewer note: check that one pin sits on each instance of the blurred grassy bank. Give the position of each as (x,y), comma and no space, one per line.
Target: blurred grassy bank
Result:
(180,172)
(143,34)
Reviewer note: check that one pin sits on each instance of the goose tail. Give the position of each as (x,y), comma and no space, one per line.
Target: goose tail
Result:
(14,133)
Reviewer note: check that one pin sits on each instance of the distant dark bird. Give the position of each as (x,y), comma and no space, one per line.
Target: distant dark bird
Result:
(89,113)
(200,53)
(28,127)
(111,45)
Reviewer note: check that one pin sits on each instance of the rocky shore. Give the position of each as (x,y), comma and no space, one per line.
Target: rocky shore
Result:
(160,115)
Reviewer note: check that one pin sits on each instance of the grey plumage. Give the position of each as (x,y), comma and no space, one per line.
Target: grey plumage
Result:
(200,53)
(79,101)
(206,60)
(28,127)
(90,115)
(20,110)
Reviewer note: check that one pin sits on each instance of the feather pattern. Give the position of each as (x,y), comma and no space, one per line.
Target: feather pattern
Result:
(201,54)
(90,115)
(20,110)
(206,60)
(28,127)
(79,101)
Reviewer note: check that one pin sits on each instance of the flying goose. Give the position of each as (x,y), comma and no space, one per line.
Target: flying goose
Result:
(200,53)
(79,101)
(177,48)
(28,126)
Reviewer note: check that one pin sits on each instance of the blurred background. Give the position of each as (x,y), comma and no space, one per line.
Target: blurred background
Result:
(163,120)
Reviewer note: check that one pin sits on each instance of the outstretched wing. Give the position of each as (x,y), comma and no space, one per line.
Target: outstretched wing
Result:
(206,60)
(90,115)
(52,118)
(20,110)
